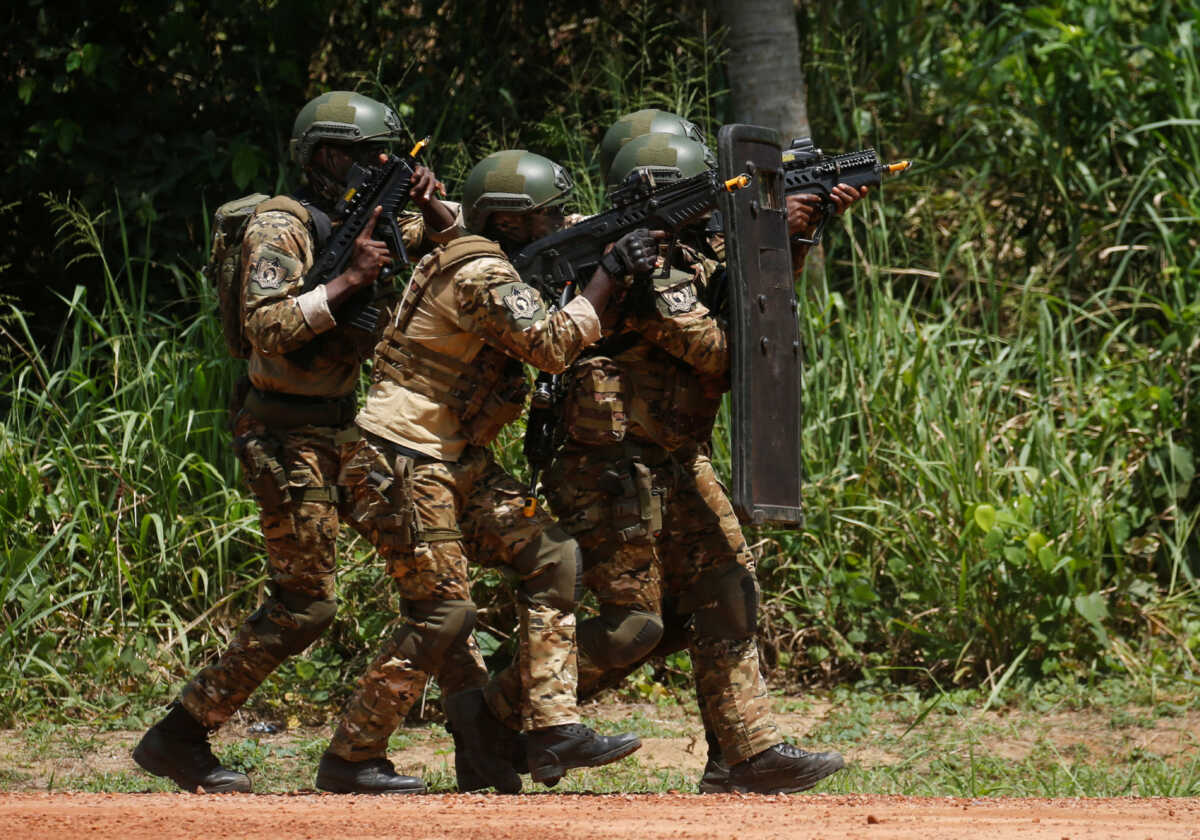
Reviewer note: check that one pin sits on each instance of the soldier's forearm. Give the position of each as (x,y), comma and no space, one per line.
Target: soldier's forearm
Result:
(438,217)
(279,328)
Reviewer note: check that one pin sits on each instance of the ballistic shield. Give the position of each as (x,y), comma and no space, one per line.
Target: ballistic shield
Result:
(765,333)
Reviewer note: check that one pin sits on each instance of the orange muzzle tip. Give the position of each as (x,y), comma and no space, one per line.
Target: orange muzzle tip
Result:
(737,182)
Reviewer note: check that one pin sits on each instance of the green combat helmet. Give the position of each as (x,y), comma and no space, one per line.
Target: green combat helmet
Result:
(667,157)
(513,181)
(341,116)
(646,121)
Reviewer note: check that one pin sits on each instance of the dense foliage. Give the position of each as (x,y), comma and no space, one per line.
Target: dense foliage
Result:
(1001,349)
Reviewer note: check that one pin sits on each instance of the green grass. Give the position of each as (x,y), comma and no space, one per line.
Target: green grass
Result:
(1054,741)
(1001,387)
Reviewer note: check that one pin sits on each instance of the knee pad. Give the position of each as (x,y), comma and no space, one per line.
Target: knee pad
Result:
(676,629)
(288,622)
(551,571)
(619,636)
(431,628)
(731,605)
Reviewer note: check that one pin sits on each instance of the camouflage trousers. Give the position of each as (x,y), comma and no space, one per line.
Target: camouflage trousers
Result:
(653,525)
(430,520)
(292,473)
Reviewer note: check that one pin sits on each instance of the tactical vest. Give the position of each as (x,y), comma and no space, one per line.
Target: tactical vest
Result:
(669,402)
(625,385)
(485,394)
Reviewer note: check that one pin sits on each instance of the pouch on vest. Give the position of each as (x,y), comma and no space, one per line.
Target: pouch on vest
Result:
(501,404)
(594,410)
(670,402)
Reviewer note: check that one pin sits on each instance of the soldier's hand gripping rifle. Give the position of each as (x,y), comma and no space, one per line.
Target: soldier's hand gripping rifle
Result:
(385,186)
(564,261)
(806,169)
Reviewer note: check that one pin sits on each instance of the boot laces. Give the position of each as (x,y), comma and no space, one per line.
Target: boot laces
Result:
(786,750)
(576,730)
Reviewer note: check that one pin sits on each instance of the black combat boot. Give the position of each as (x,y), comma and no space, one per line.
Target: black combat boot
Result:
(716,770)
(375,775)
(483,746)
(554,750)
(177,747)
(783,769)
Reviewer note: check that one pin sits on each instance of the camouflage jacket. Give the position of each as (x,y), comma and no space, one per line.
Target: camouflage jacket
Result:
(297,345)
(468,313)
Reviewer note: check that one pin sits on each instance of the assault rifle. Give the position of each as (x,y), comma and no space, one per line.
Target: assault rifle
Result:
(562,262)
(806,169)
(541,426)
(369,187)
(555,262)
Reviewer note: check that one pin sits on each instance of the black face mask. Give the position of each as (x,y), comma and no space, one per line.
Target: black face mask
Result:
(548,220)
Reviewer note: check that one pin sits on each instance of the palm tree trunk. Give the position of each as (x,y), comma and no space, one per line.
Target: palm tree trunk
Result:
(765,79)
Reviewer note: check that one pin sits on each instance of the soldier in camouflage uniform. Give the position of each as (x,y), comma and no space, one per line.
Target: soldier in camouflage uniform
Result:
(299,405)
(424,486)
(634,484)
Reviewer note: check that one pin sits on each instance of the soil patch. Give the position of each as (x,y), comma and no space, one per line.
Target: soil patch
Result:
(580,817)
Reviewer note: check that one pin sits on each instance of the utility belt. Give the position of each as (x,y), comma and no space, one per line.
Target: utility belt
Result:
(280,410)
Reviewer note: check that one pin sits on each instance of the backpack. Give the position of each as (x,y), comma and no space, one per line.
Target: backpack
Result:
(224,266)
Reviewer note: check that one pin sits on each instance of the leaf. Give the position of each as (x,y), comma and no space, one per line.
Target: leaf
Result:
(985,517)
(68,132)
(1025,507)
(90,58)
(25,89)
(1092,607)
(1047,558)
(488,644)
(1035,541)
(245,165)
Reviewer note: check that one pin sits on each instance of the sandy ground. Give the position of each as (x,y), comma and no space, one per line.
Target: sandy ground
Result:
(77,759)
(556,817)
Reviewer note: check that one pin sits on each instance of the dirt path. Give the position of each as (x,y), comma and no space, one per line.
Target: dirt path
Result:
(556,817)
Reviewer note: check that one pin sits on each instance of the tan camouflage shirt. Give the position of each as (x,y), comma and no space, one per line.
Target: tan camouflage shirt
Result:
(298,347)
(473,307)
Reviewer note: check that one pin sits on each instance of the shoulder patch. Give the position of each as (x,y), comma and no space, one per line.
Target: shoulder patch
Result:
(679,299)
(273,268)
(676,292)
(521,302)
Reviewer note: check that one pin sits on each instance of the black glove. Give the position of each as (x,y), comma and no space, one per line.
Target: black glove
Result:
(633,254)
